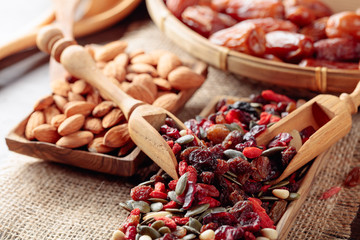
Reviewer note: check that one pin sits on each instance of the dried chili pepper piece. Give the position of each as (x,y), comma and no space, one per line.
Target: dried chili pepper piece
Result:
(353,177)
(331,192)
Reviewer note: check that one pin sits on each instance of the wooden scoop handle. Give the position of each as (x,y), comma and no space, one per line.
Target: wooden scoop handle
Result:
(78,62)
(352,100)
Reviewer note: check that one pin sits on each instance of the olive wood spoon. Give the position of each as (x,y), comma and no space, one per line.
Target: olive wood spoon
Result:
(144,121)
(329,115)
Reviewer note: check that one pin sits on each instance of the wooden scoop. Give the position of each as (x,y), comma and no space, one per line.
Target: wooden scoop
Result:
(329,115)
(144,121)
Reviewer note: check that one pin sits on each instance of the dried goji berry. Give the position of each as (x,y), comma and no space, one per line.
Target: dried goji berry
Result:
(276,97)
(159,186)
(176,148)
(180,220)
(172,184)
(158,194)
(274,119)
(264,118)
(252,152)
(130,233)
(170,143)
(264,188)
(171,204)
(353,178)
(192,174)
(331,192)
(212,201)
(170,223)
(132,220)
(141,193)
(265,220)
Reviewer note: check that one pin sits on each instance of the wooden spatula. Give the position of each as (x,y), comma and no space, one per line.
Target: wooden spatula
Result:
(144,121)
(329,115)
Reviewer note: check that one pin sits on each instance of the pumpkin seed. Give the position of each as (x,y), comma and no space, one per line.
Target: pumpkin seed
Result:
(150,232)
(303,171)
(269,198)
(157,206)
(194,223)
(173,196)
(189,236)
(197,210)
(280,184)
(185,139)
(181,184)
(212,210)
(232,179)
(164,230)
(147,221)
(158,224)
(293,196)
(233,127)
(146,183)
(296,141)
(139,227)
(125,206)
(231,153)
(191,230)
(252,124)
(179,232)
(174,210)
(143,206)
(272,151)
(163,201)
(270,124)
(155,214)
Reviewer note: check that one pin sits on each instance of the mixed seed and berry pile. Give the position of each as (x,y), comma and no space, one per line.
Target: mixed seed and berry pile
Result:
(223,191)
(75,115)
(305,32)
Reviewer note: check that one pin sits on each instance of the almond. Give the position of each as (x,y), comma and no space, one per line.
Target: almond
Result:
(167,63)
(36,119)
(161,93)
(142,68)
(93,97)
(122,59)
(125,149)
(103,108)
(71,124)
(93,125)
(115,70)
(147,81)
(50,112)
(60,87)
(84,108)
(162,84)
(60,102)
(167,101)
(184,78)
(109,51)
(43,103)
(100,65)
(113,117)
(76,139)
(130,76)
(117,136)
(46,133)
(97,146)
(139,92)
(57,120)
(136,52)
(144,58)
(156,54)
(80,87)
(75,97)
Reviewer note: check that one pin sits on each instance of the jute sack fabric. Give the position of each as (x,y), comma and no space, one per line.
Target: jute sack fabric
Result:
(42,200)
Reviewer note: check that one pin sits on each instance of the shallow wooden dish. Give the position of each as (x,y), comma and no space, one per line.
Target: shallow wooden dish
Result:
(318,79)
(122,166)
(284,225)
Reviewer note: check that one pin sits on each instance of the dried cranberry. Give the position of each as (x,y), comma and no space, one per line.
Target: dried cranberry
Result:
(241,207)
(353,178)
(217,151)
(220,104)
(192,174)
(211,201)
(222,218)
(250,221)
(141,193)
(306,133)
(167,236)
(190,195)
(222,167)
(202,160)
(239,166)
(249,143)
(170,131)
(252,187)
(287,155)
(282,139)
(232,139)
(212,226)
(331,192)
(184,156)
(254,132)
(228,233)
(207,177)
(249,236)
(192,124)
(236,196)
(234,115)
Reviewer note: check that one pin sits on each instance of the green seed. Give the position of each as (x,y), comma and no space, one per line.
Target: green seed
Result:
(163,201)
(164,230)
(146,183)
(231,153)
(293,196)
(181,184)
(197,210)
(185,139)
(191,230)
(272,151)
(157,206)
(233,127)
(158,224)
(194,223)
(145,230)
(280,184)
(174,210)
(269,198)
(173,197)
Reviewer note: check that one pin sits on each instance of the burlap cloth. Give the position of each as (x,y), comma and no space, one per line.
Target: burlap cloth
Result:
(42,200)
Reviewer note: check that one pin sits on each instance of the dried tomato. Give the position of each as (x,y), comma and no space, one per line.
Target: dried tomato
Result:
(331,192)
(353,178)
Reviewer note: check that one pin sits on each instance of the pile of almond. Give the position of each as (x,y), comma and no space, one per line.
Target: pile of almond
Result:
(76,115)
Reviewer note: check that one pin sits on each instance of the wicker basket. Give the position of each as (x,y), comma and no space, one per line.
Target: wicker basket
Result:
(318,79)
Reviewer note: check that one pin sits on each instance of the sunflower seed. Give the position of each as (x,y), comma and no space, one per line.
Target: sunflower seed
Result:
(231,174)
(197,210)
(163,201)
(203,133)
(158,224)
(185,139)
(191,230)
(155,214)
(296,140)
(150,232)
(194,223)
(173,197)
(164,230)
(125,206)
(174,210)
(211,210)
(156,207)
(231,153)
(189,236)
(293,196)
(181,184)
(232,179)
(143,206)
(233,127)
(147,221)
(272,151)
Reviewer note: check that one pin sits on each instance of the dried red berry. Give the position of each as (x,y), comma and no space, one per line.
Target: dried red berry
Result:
(130,233)
(207,177)
(212,201)
(331,192)
(222,167)
(353,178)
(159,186)
(272,96)
(239,166)
(282,139)
(170,223)
(171,204)
(180,220)
(228,232)
(190,195)
(172,184)
(141,193)
(182,167)
(252,152)
(265,220)
(176,148)
(222,218)
(250,221)
(158,194)
(132,220)
(212,226)
(192,174)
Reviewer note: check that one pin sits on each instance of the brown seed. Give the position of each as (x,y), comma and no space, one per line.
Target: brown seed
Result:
(80,87)
(109,51)
(103,108)
(84,108)
(144,58)
(147,81)
(44,103)
(57,120)
(75,97)
(115,70)
(142,68)
(93,97)
(50,112)
(46,133)
(60,102)
(162,84)
(60,87)
(167,63)
(122,59)
(167,101)
(97,146)
(139,92)
(184,78)
(126,148)
(112,118)
(36,119)
(93,125)
(71,124)
(76,139)
(117,136)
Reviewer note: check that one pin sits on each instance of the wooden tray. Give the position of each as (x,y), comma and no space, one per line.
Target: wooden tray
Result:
(284,225)
(318,79)
(122,166)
